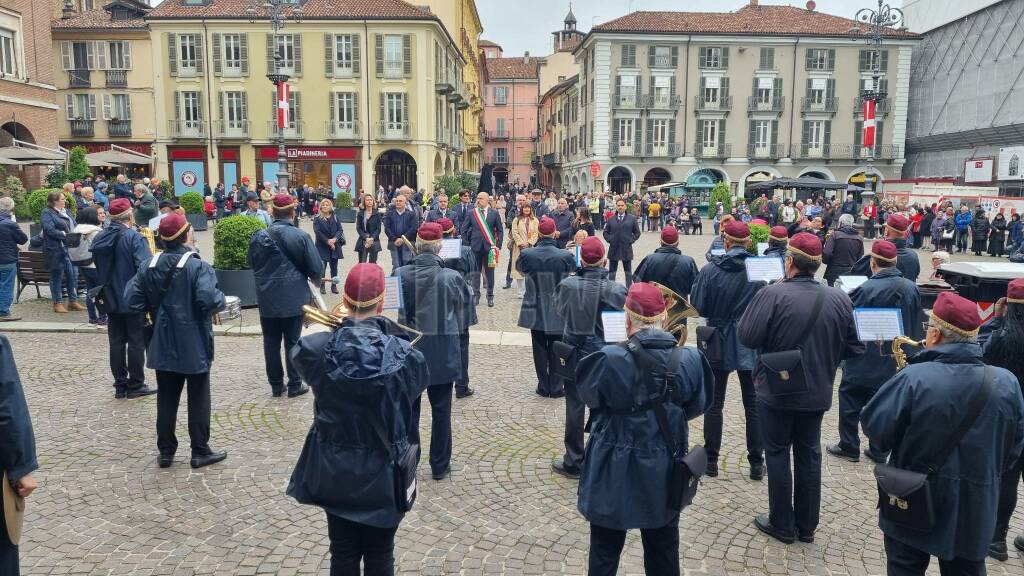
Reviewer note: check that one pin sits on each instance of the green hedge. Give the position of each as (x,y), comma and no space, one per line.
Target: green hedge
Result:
(759,233)
(343,201)
(720,193)
(231,241)
(36,203)
(193,203)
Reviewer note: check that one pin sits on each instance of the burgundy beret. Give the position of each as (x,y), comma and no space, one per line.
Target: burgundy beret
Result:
(172,225)
(669,235)
(806,244)
(737,231)
(898,222)
(119,206)
(884,250)
(779,233)
(364,285)
(446,224)
(592,250)
(284,201)
(1015,291)
(547,226)
(956,313)
(430,232)
(645,301)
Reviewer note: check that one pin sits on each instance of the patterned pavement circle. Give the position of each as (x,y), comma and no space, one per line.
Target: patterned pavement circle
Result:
(104,507)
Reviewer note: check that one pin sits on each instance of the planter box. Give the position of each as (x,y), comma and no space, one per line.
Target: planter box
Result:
(346,214)
(240,283)
(198,221)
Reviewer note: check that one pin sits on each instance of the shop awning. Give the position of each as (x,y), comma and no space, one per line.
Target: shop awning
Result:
(27,155)
(665,186)
(11,162)
(116,158)
(806,183)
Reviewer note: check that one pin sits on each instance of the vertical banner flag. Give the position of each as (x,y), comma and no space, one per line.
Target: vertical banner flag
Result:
(868,139)
(282,105)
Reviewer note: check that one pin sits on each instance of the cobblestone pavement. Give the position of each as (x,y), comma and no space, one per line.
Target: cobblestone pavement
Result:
(104,507)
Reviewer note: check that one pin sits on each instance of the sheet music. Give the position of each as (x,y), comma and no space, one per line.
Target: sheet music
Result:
(392,293)
(764,269)
(614,326)
(874,324)
(762,247)
(850,283)
(450,248)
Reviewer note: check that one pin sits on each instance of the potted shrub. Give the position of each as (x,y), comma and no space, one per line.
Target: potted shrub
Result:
(759,234)
(343,206)
(36,203)
(231,257)
(195,212)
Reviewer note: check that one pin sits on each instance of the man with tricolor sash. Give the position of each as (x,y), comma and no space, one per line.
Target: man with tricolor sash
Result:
(483,234)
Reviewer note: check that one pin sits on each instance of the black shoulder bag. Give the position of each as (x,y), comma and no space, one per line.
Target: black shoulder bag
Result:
(904,496)
(567,355)
(103,295)
(403,467)
(161,294)
(784,370)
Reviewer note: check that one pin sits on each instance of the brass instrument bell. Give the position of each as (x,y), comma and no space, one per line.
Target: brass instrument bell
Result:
(677,310)
(899,354)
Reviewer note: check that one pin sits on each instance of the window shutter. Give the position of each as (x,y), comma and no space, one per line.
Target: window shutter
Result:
(828,132)
(624,57)
(297,52)
(809,60)
(830,88)
(879,130)
(106,106)
(650,87)
(298,107)
(725,57)
(199,105)
(69,104)
(723,92)
(777,90)
(407,55)
(333,107)
(65,55)
(675,56)
(128,106)
(92,106)
(245,106)
(270,51)
(217,54)
(220,111)
(102,50)
(177,105)
(775,131)
(632,57)
(753,89)
(858,133)
(329,55)
(702,131)
(650,56)
(883,86)
(809,86)
(383,109)
(805,133)
(90,56)
(356,52)
(650,132)
(703,87)
(405,108)
(672,131)
(672,86)
(753,133)
(200,57)
(618,88)
(863,63)
(273,109)
(831,59)
(243,50)
(702,57)
(127,54)
(721,132)
(615,131)
(883,63)
(379,42)
(355,108)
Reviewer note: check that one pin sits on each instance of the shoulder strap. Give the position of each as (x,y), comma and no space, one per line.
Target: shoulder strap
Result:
(277,244)
(178,267)
(378,428)
(819,301)
(656,398)
(978,401)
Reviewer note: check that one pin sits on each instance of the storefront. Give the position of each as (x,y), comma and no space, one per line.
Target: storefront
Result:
(132,171)
(334,167)
(228,160)
(187,165)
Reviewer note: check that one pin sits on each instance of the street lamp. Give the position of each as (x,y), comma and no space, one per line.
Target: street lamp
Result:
(877,20)
(275,10)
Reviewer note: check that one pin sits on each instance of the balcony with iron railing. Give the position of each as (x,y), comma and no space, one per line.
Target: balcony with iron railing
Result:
(234,129)
(766,151)
(456,142)
(186,128)
(82,128)
(387,130)
(755,104)
(665,150)
(292,132)
(857,152)
(336,130)
(116,78)
(464,102)
(550,160)
(702,104)
(499,159)
(703,150)
(79,79)
(617,149)
(623,100)
(815,150)
(663,61)
(661,101)
(441,138)
(882,106)
(444,81)
(825,105)
(119,128)
(497,135)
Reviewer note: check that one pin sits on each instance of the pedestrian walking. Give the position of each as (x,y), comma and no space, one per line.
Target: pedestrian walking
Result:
(621,232)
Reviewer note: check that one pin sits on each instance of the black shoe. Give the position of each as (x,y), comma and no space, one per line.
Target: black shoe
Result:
(464,393)
(207,459)
(838,452)
(541,394)
(323,289)
(711,471)
(490,301)
(558,465)
(120,393)
(166,460)
(442,474)
(476,300)
(334,288)
(876,458)
(757,472)
(559,394)
(997,551)
(140,392)
(298,391)
(277,391)
(807,538)
(1018,543)
(764,525)
(507,285)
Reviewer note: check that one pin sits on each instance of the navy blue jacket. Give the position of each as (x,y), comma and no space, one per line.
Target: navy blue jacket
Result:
(434,302)
(717,243)
(563,223)
(906,261)
(183,321)
(776,252)
(11,235)
(119,253)
(436,214)
(56,227)
(627,465)
(461,216)
(403,224)
(544,266)
(579,301)
(721,295)
(359,372)
(620,236)
(912,415)
(18,458)
(887,289)
(474,237)
(774,322)
(281,288)
(465,265)
(669,267)
(325,229)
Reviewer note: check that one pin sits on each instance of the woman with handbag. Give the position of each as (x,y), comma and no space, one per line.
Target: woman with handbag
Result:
(368,225)
(330,237)
(524,234)
(57,225)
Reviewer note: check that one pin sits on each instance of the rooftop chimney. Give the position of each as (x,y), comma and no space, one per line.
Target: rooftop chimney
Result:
(68,11)
(526,57)
(753,2)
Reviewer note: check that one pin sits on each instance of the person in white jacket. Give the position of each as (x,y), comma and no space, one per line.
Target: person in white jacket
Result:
(89,222)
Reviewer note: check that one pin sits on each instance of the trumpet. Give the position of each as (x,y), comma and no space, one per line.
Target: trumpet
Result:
(899,354)
(677,311)
(332,318)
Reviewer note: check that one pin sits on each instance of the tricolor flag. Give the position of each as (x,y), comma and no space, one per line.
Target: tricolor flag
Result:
(868,139)
(282,105)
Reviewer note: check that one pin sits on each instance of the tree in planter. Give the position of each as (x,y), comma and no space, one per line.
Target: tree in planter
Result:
(78,168)
(36,203)
(231,241)
(11,187)
(343,201)
(720,193)
(453,183)
(192,203)
(759,234)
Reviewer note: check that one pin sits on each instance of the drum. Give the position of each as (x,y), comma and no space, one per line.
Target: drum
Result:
(232,309)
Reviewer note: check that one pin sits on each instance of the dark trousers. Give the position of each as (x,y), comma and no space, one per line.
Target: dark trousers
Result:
(126,336)
(1007,500)
(627,270)
(869,227)
(508,268)
(462,384)
(794,505)
(852,399)
(168,397)
(547,383)
(575,414)
(440,396)
(903,560)
(483,270)
(9,565)
(274,331)
(961,239)
(352,542)
(661,550)
(367,256)
(713,418)
(333,265)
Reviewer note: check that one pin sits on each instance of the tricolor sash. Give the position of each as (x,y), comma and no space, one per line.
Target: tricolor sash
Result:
(492,253)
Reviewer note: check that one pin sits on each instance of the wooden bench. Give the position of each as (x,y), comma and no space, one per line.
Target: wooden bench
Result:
(32,272)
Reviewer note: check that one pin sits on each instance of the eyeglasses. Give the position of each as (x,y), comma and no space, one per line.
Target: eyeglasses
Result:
(925,326)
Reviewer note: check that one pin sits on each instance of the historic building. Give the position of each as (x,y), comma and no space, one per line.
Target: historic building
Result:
(561,64)
(376,94)
(511,93)
(103,58)
(761,92)
(562,139)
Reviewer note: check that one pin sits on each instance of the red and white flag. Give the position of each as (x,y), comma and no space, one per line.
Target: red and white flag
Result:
(282,105)
(868,138)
